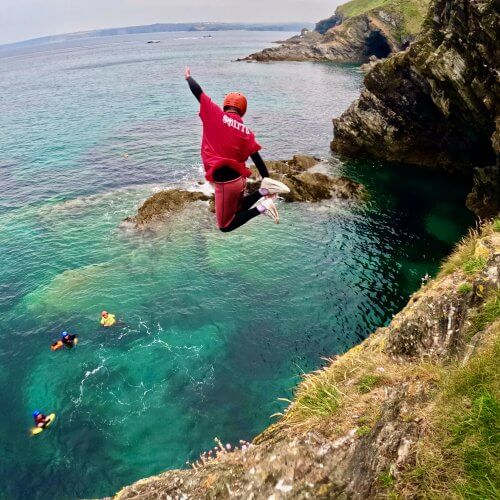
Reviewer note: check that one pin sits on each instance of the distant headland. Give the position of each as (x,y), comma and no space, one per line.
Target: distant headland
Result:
(163,27)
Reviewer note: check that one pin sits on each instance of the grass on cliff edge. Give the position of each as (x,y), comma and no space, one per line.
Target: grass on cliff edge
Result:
(460,456)
(349,387)
(468,256)
(411,11)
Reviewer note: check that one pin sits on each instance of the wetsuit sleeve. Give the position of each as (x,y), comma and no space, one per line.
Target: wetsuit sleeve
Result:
(259,163)
(195,88)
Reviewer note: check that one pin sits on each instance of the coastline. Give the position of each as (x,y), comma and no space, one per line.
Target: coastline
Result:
(126,257)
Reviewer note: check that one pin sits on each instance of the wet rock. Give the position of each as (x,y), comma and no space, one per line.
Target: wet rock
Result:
(484,199)
(306,185)
(164,203)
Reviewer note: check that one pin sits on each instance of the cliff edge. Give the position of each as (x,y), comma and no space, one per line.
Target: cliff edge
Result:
(436,104)
(359,30)
(410,412)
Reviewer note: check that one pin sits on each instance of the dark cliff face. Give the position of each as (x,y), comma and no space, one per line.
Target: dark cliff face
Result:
(325,24)
(435,104)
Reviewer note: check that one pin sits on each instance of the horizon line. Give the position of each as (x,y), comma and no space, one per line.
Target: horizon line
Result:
(179,23)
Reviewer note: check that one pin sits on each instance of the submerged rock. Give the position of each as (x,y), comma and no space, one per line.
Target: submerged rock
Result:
(304,184)
(353,34)
(435,104)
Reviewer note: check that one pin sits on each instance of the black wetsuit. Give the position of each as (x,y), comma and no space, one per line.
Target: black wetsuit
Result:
(69,342)
(226,174)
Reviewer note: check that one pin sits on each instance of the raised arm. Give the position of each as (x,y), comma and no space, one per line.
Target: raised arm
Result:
(193,85)
(259,163)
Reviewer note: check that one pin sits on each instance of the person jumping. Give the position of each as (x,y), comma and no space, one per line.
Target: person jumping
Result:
(226,145)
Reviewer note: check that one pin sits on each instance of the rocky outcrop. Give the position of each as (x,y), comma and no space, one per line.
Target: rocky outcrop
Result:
(484,199)
(435,104)
(356,427)
(163,204)
(308,185)
(356,32)
(298,174)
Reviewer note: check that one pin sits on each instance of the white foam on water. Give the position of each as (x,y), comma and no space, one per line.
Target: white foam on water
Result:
(87,375)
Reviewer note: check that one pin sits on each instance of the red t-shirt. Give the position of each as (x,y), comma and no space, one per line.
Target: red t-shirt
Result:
(226,140)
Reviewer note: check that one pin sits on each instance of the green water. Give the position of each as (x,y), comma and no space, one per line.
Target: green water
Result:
(216,327)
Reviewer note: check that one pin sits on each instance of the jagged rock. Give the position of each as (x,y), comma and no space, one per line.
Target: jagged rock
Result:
(484,199)
(304,186)
(352,34)
(434,323)
(307,466)
(436,103)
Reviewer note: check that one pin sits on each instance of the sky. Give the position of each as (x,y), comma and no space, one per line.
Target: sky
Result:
(24,19)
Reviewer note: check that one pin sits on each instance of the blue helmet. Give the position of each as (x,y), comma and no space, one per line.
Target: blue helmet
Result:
(63,334)
(36,413)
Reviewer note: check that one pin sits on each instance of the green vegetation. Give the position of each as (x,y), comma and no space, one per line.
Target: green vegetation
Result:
(414,13)
(363,430)
(316,397)
(464,288)
(460,458)
(462,253)
(386,480)
(469,255)
(358,7)
(486,315)
(474,265)
(331,390)
(496,225)
(368,382)
(410,13)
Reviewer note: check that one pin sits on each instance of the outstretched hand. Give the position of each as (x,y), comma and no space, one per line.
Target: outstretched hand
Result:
(187,73)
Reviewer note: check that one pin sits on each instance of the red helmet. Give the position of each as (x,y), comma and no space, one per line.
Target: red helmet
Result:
(236,100)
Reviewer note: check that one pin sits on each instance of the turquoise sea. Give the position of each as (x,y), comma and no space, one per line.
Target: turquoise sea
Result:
(216,326)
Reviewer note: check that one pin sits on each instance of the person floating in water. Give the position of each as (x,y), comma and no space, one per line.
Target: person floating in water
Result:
(107,319)
(226,145)
(41,420)
(66,340)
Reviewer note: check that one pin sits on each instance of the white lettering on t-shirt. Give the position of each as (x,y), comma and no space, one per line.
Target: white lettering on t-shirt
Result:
(231,122)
